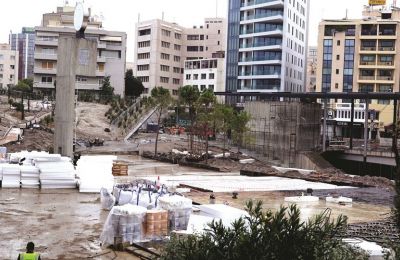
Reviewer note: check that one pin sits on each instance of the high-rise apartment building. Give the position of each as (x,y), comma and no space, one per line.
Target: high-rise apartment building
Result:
(360,56)
(111,56)
(8,66)
(24,43)
(161,49)
(311,69)
(267,45)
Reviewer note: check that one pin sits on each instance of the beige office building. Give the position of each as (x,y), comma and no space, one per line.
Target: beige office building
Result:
(161,49)
(360,56)
(111,55)
(8,66)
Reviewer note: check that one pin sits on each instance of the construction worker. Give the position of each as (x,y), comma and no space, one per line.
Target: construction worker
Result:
(30,254)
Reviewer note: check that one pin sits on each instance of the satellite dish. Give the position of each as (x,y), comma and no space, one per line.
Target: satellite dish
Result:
(78,17)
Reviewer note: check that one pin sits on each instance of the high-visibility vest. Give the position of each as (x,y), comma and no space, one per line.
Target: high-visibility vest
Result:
(29,256)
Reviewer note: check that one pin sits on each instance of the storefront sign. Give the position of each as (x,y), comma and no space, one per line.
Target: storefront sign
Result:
(377,2)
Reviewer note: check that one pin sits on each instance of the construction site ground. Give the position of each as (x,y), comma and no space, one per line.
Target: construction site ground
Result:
(66,224)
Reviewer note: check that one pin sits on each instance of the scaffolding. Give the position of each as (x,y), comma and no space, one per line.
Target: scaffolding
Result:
(279,130)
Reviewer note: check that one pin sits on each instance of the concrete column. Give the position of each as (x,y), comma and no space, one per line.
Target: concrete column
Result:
(75,57)
(324,126)
(365,133)
(351,123)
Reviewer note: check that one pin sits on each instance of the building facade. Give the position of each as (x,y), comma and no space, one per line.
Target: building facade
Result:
(267,45)
(205,74)
(8,66)
(24,43)
(161,49)
(360,56)
(111,55)
(311,84)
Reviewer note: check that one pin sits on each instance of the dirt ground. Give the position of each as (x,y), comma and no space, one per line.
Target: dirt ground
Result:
(66,224)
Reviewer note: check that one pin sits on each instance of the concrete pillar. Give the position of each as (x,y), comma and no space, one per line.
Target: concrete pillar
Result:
(324,126)
(365,134)
(75,57)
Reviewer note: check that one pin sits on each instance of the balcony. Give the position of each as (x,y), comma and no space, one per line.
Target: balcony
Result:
(40,70)
(272,16)
(100,73)
(385,78)
(87,86)
(386,63)
(386,48)
(366,77)
(45,56)
(46,42)
(101,59)
(43,85)
(368,48)
(260,2)
(101,45)
(367,63)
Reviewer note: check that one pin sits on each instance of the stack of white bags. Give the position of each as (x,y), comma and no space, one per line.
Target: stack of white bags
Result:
(95,172)
(29,176)
(11,176)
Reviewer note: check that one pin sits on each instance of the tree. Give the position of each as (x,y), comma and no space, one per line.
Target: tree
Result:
(133,86)
(205,105)
(239,127)
(267,235)
(223,117)
(29,82)
(161,99)
(106,90)
(22,86)
(189,95)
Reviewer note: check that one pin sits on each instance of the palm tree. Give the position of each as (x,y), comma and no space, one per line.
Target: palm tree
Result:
(161,99)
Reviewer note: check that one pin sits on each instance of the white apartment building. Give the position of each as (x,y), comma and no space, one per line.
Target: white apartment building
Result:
(205,74)
(267,45)
(8,66)
(161,49)
(111,54)
(311,84)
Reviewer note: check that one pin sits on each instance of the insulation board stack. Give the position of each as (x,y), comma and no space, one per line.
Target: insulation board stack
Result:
(56,174)
(179,209)
(29,176)
(124,224)
(95,172)
(156,224)
(11,176)
(120,169)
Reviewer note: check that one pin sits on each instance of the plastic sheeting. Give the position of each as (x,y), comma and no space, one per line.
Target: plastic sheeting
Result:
(95,172)
(124,224)
(107,200)
(179,209)
(11,176)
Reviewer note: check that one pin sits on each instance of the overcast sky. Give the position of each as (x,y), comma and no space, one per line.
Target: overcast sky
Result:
(121,15)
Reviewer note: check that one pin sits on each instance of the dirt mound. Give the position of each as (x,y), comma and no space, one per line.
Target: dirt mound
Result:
(34,139)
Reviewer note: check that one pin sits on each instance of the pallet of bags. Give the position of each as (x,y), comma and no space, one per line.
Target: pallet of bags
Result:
(179,209)
(124,224)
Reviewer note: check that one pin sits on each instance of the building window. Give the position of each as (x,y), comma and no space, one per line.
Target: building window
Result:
(12,57)
(100,67)
(348,65)
(177,58)
(193,37)
(337,57)
(144,44)
(47,79)
(144,32)
(143,67)
(219,31)
(47,65)
(165,33)
(337,71)
(176,81)
(164,56)
(211,76)
(177,47)
(12,67)
(336,85)
(81,79)
(327,66)
(165,44)
(178,36)
(203,76)
(188,76)
(192,48)
(211,87)
(177,70)
(338,43)
(164,79)
(387,89)
(144,56)
(143,79)
(164,68)
(195,76)
(202,87)
(175,92)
